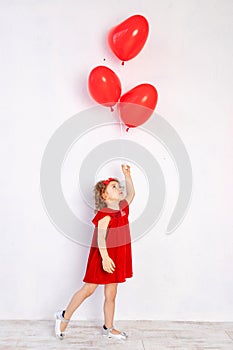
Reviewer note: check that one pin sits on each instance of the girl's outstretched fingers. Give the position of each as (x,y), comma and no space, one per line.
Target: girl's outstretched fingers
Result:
(125,169)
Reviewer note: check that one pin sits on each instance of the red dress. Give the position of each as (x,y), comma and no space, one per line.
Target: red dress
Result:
(118,243)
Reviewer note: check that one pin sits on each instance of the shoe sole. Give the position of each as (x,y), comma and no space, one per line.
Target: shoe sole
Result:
(115,336)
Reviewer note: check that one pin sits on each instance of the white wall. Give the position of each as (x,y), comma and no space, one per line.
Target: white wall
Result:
(47,51)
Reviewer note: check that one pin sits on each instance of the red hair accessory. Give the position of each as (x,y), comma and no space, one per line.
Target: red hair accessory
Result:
(106,182)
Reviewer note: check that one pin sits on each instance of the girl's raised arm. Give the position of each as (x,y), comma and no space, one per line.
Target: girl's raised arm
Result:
(130,192)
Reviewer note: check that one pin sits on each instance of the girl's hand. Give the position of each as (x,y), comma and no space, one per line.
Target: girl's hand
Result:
(125,169)
(108,264)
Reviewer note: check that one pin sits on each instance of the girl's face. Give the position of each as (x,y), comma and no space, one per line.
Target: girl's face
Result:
(113,191)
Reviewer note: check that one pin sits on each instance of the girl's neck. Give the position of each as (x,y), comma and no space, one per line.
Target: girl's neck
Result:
(113,205)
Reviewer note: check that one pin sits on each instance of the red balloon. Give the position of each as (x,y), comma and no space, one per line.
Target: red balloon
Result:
(137,105)
(104,86)
(128,38)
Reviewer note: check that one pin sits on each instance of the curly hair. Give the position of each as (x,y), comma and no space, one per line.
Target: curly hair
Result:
(99,188)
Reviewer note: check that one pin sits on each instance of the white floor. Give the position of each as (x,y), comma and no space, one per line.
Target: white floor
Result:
(142,335)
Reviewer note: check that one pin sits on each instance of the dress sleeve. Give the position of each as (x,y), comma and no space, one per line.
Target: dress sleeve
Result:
(99,215)
(125,206)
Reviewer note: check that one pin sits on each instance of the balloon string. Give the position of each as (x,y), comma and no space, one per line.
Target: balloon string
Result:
(123,130)
(122,148)
(121,123)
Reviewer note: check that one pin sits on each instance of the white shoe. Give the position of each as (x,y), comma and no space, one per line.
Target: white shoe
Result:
(59,318)
(107,333)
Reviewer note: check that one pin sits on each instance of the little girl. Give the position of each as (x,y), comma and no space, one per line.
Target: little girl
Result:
(110,258)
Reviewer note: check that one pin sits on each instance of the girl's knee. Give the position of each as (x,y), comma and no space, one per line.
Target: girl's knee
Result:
(110,292)
(89,288)
(110,297)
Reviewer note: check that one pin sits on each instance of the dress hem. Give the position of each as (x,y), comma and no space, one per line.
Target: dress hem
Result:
(107,282)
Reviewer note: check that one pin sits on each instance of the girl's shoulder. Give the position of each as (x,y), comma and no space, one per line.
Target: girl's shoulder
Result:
(100,214)
(123,204)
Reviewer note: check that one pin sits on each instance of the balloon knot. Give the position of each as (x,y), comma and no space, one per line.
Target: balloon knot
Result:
(127,129)
(123,63)
(112,110)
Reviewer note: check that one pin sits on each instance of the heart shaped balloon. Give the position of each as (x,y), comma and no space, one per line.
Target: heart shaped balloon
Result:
(127,39)
(104,86)
(137,105)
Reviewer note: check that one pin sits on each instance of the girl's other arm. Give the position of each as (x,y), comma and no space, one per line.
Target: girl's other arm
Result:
(102,230)
(107,263)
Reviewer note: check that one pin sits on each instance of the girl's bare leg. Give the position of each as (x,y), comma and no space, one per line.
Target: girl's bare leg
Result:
(110,291)
(77,299)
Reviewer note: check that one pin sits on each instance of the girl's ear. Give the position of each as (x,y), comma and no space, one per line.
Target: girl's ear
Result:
(104,196)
